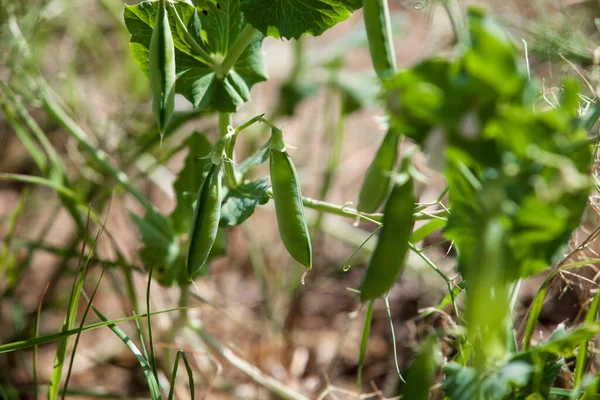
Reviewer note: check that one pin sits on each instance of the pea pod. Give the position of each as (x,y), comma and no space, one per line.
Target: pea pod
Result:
(389,257)
(288,202)
(205,225)
(379,34)
(376,185)
(162,68)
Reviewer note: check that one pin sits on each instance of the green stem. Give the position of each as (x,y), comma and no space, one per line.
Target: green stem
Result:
(236,50)
(349,212)
(179,323)
(335,136)
(224,122)
(298,60)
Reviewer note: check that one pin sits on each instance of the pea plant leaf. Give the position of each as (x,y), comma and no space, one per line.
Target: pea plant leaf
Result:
(189,180)
(254,160)
(291,19)
(161,246)
(214,27)
(241,202)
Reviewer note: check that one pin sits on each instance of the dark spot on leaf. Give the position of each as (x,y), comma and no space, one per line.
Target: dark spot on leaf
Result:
(204,12)
(218,6)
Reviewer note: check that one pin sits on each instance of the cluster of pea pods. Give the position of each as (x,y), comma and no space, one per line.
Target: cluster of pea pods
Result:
(381,184)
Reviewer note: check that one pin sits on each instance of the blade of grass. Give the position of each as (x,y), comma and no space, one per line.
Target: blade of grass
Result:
(190,374)
(52,106)
(363,343)
(63,252)
(53,337)
(78,336)
(150,378)
(35,348)
(581,360)
(150,339)
(5,254)
(36,180)
(69,321)
(32,147)
(48,160)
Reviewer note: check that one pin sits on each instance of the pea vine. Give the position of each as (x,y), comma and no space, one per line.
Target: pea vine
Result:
(517,173)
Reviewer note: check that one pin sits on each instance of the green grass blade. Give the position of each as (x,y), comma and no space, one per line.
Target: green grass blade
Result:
(150,339)
(190,374)
(51,104)
(580,362)
(36,180)
(26,139)
(58,168)
(7,258)
(53,337)
(69,322)
(363,342)
(78,336)
(35,353)
(534,313)
(148,373)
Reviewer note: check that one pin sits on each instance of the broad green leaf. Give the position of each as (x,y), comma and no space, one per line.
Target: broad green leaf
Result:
(189,180)
(509,381)
(291,19)
(214,27)
(161,246)
(240,202)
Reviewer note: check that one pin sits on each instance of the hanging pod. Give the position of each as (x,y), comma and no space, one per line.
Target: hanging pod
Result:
(162,68)
(379,34)
(376,185)
(205,225)
(291,221)
(389,257)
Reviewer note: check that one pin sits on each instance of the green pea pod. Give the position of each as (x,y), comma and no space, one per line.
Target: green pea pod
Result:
(288,203)
(205,225)
(421,375)
(376,185)
(162,68)
(379,34)
(389,257)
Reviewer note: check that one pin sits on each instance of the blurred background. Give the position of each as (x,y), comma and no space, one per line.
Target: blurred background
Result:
(324,94)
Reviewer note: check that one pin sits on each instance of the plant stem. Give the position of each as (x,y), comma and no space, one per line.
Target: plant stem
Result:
(236,50)
(334,134)
(224,123)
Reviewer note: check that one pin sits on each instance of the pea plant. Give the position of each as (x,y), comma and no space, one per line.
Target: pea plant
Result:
(517,172)
(517,168)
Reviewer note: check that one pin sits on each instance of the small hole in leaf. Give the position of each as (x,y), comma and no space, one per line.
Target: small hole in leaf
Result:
(204,12)
(218,6)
